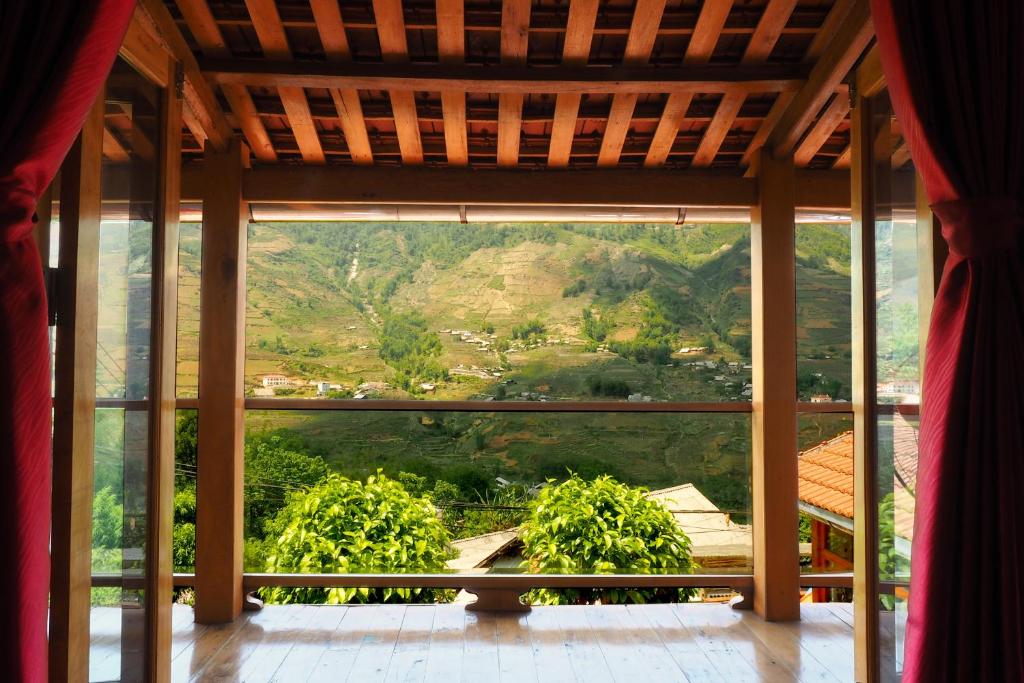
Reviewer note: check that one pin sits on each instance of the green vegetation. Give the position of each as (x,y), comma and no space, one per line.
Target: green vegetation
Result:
(602,527)
(408,346)
(345,526)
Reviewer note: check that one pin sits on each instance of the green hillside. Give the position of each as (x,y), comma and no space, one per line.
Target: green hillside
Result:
(538,312)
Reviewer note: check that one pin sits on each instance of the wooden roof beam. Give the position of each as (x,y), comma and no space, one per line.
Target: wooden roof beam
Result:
(395,50)
(823,128)
(702,45)
(579,33)
(451,49)
(642,32)
(762,42)
(828,72)
(515,24)
(331,29)
(711,78)
(207,33)
(274,42)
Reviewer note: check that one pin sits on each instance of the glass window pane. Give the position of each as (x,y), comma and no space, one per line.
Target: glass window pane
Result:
(190,243)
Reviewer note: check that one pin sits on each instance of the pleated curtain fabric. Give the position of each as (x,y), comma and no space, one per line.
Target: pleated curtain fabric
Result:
(54,58)
(955,73)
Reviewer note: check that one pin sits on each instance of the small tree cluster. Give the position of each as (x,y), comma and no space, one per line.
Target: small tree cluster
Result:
(602,527)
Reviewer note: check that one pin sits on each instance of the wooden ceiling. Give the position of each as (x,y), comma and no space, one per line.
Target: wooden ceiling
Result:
(676,84)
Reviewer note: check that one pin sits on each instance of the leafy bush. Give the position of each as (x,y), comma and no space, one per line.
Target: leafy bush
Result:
(602,527)
(528,330)
(183,539)
(107,520)
(603,386)
(342,526)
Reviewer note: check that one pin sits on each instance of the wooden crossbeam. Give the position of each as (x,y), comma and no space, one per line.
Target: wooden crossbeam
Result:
(207,33)
(702,45)
(274,43)
(579,33)
(762,42)
(331,29)
(843,160)
(642,32)
(712,78)
(515,23)
(395,50)
(828,72)
(112,147)
(451,49)
(823,128)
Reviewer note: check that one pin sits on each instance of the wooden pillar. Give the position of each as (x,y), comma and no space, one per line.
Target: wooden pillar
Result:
(773,313)
(819,543)
(159,577)
(75,403)
(865,422)
(221,415)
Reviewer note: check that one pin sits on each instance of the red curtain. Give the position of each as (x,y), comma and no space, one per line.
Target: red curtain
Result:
(54,57)
(955,72)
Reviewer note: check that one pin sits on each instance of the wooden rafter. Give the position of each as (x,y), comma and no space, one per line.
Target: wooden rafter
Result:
(843,160)
(207,33)
(762,42)
(828,72)
(823,128)
(618,80)
(701,47)
(515,23)
(331,29)
(395,49)
(113,149)
(274,42)
(579,32)
(642,32)
(451,49)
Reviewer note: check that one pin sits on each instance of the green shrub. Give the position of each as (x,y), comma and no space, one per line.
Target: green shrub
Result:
(107,520)
(602,527)
(341,526)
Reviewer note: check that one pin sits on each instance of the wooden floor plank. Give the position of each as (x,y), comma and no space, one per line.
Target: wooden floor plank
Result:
(409,661)
(678,641)
(515,652)
(550,654)
(585,654)
(480,649)
(444,658)
(378,646)
(301,660)
(631,650)
(336,660)
(596,644)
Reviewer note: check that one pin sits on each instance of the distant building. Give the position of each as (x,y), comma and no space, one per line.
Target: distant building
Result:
(428,387)
(322,388)
(275,380)
(820,398)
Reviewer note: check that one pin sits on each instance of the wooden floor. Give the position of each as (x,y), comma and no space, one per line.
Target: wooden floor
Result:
(697,642)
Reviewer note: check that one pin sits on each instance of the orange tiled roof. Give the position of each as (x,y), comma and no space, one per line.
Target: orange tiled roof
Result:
(826,475)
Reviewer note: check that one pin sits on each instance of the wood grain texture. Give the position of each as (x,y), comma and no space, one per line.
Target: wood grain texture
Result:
(699,643)
(515,22)
(204,28)
(74,402)
(451,48)
(699,50)
(394,48)
(642,32)
(579,33)
(219,481)
(823,128)
(162,420)
(774,445)
(274,42)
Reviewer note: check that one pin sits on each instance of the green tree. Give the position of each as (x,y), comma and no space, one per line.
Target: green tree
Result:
(602,527)
(273,467)
(107,520)
(342,526)
(183,540)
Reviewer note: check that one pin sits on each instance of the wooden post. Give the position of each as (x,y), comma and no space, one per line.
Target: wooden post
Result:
(75,403)
(159,576)
(865,419)
(819,544)
(221,363)
(773,313)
